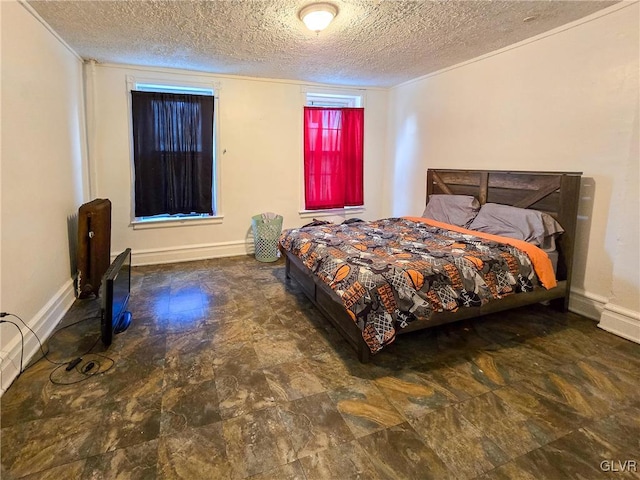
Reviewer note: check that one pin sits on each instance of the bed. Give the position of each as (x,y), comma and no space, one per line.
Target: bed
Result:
(339,267)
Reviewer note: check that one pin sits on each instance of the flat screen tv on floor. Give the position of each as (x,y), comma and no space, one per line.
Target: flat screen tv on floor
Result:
(116,287)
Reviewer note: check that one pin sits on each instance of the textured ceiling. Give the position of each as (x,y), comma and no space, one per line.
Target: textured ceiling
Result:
(370,43)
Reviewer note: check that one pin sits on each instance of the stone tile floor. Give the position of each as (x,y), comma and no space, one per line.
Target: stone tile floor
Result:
(228,371)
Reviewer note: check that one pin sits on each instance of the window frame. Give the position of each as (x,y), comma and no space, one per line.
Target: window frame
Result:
(316,99)
(335,98)
(170,85)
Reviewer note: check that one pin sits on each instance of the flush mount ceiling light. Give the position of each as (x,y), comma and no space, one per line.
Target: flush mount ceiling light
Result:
(318,16)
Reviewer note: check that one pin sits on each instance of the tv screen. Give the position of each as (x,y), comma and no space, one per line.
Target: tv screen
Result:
(116,286)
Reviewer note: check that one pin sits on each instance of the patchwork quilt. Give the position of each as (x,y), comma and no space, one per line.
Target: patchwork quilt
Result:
(390,272)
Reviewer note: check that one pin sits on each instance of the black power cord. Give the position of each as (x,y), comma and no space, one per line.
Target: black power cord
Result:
(21,340)
(44,354)
(87,370)
(72,365)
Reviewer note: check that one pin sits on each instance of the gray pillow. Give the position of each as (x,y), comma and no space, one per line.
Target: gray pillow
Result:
(457,210)
(531,226)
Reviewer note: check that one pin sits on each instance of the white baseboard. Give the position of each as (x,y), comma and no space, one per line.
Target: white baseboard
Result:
(621,321)
(189,253)
(612,318)
(587,304)
(42,324)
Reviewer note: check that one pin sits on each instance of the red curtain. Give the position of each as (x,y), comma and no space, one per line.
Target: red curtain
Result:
(333,160)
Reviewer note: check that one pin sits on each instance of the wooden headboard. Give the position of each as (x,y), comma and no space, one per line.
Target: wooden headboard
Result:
(556,193)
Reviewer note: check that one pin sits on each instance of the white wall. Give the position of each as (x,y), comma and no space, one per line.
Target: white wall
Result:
(260,125)
(42,177)
(567,100)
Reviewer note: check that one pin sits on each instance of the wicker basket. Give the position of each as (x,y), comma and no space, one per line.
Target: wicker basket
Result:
(266,233)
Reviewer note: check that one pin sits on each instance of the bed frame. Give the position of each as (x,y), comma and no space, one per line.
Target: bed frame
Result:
(556,193)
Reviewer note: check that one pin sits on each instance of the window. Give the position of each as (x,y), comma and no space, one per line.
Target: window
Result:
(333,151)
(173,152)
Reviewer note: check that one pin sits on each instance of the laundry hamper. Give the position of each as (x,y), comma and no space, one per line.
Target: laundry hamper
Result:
(266,232)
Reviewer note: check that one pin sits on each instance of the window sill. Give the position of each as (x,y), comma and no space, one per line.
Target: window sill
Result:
(330,212)
(176,222)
